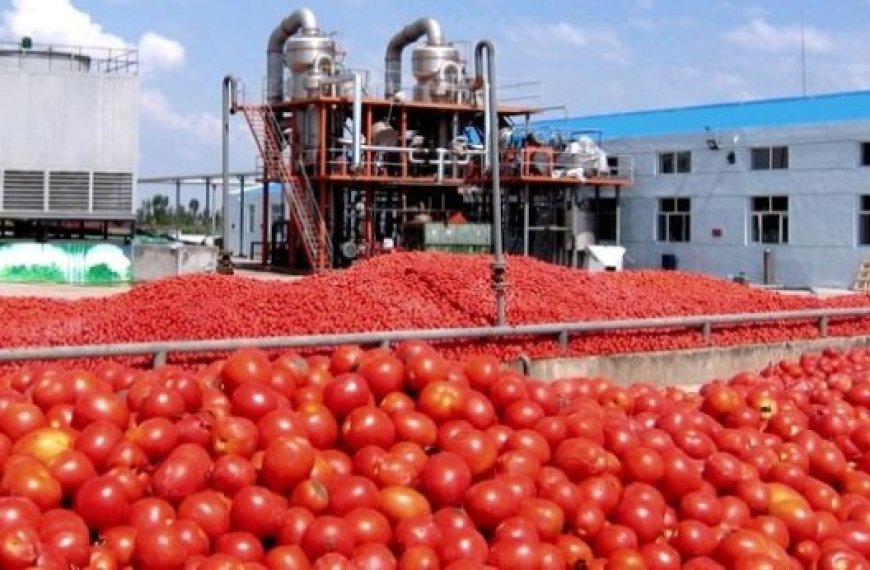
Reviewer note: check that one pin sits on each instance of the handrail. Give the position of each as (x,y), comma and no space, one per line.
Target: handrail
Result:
(562,331)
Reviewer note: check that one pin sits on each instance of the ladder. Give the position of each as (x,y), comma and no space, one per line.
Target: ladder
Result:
(862,282)
(299,194)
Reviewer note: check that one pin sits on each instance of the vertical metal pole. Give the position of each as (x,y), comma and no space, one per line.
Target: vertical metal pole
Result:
(526,207)
(618,220)
(229,104)
(241,215)
(177,215)
(214,209)
(208,196)
(498,263)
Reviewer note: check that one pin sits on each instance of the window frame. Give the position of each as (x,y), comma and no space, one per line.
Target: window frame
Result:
(863,237)
(674,219)
(762,211)
(252,218)
(677,162)
(772,157)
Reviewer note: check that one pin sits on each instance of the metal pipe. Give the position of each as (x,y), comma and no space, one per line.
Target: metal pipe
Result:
(356,77)
(229,106)
(365,338)
(407,35)
(499,268)
(767,266)
(302,19)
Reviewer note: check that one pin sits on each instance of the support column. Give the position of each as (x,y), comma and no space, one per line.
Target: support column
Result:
(617,215)
(241,215)
(526,207)
(264,221)
(369,221)
(177,207)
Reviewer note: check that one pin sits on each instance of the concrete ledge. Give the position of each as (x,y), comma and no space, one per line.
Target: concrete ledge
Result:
(684,367)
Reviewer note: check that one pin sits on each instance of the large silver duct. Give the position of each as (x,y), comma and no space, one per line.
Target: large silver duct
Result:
(302,19)
(407,35)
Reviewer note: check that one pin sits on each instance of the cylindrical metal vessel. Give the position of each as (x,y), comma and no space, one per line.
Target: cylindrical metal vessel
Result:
(437,71)
(302,52)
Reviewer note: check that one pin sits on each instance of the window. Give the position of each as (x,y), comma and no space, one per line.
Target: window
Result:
(277,212)
(865,154)
(769,223)
(675,162)
(864,221)
(605,226)
(770,158)
(252,218)
(674,220)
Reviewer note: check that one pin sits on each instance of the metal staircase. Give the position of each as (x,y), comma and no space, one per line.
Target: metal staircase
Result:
(299,195)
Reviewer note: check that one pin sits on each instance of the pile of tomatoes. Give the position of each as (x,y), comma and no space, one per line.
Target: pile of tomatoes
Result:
(407,459)
(417,291)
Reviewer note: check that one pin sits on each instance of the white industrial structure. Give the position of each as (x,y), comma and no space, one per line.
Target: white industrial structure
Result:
(69,136)
(776,190)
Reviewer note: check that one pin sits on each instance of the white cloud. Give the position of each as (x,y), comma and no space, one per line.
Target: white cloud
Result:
(159,52)
(154,106)
(759,35)
(601,43)
(59,22)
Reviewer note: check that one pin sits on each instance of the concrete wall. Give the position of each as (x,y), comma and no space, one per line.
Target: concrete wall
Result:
(683,367)
(824,183)
(152,262)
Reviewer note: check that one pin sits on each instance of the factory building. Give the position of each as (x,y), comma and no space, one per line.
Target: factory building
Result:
(774,190)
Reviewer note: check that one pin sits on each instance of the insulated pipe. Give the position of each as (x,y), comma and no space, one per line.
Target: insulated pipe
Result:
(302,19)
(498,262)
(487,118)
(408,35)
(356,77)
(230,85)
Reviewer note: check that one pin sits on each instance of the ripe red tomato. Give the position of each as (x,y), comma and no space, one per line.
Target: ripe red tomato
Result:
(416,427)
(257,510)
(383,373)
(245,365)
(489,502)
(350,492)
(159,546)
(476,448)
(209,509)
(369,526)
(346,392)
(242,546)
(287,461)
(327,534)
(399,503)
(367,425)
(102,503)
(445,478)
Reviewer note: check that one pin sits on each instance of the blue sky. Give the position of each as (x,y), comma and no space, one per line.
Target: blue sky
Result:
(592,57)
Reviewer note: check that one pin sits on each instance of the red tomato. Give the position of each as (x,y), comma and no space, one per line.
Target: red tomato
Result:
(287,461)
(257,510)
(327,534)
(209,509)
(367,425)
(490,502)
(445,478)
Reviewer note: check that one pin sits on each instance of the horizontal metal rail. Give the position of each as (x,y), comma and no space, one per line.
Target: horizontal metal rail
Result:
(560,331)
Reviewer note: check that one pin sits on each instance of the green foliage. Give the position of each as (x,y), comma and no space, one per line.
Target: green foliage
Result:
(33,273)
(101,273)
(157,213)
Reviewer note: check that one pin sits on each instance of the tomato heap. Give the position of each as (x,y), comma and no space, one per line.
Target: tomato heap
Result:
(416,291)
(407,459)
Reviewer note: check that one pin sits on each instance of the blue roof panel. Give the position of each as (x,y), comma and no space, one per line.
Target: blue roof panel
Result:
(834,107)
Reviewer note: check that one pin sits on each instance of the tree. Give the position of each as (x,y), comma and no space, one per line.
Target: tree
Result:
(193,206)
(160,207)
